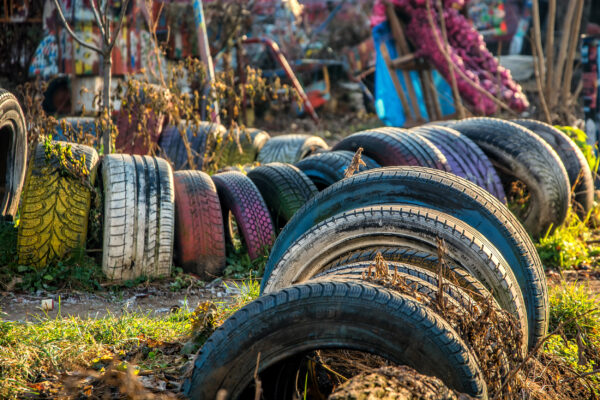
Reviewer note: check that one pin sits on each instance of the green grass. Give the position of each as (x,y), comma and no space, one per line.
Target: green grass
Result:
(38,351)
(577,307)
(578,343)
(566,247)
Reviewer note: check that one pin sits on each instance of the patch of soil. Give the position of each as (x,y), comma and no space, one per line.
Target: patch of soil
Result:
(156,298)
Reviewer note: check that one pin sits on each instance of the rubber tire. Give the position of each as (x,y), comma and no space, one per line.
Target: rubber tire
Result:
(424,281)
(139,217)
(440,191)
(13,154)
(284,188)
(242,198)
(318,315)
(76,130)
(387,147)
(406,226)
(532,161)
(464,157)
(416,258)
(423,149)
(199,230)
(327,168)
(55,208)
(251,141)
(290,148)
(573,160)
(173,147)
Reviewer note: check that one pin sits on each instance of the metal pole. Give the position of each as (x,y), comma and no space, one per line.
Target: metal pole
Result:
(204,51)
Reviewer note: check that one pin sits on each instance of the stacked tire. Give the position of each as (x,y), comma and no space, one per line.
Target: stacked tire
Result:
(314,284)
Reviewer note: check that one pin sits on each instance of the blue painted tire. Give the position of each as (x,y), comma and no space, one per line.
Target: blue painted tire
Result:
(440,191)
(326,168)
(174,149)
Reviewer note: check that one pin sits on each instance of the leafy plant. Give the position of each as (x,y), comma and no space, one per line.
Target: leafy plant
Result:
(580,138)
(566,247)
(577,307)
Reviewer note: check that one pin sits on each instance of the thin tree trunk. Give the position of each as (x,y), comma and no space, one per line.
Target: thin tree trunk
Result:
(107,67)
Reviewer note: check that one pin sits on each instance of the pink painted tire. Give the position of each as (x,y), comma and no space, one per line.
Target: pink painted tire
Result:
(241,197)
(199,231)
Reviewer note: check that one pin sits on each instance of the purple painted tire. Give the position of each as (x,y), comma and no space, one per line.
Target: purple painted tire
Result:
(464,157)
(240,196)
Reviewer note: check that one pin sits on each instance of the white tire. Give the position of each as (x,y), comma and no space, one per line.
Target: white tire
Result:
(139,205)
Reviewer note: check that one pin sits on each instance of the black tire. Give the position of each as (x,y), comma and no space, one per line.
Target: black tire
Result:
(139,217)
(240,196)
(284,188)
(290,148)
(319,315)
(464,157)
(440,191)
(381,146)
(416,258)
(422,147)
(580,175)
(406,226)
(516,152)
(423,281)
(13,154)
(173,146)
(327,168)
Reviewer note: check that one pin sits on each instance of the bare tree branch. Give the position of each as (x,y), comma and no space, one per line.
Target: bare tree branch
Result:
(98,19)
(124,5)
(107,21)
(70,31)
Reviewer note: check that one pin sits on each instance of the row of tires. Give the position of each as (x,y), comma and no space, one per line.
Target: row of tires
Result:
(149,211)
(318,293)
(495,154)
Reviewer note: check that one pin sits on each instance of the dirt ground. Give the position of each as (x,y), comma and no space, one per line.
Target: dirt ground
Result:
(156,298)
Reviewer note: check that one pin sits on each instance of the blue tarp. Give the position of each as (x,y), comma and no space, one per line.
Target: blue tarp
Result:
(387,104)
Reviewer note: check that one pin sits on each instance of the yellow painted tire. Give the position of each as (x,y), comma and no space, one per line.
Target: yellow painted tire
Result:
(55,207)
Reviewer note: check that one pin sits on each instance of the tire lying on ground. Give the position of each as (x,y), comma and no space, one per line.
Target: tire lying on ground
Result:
(419,279)
(425,151)
(578,170)
(290,148)
(240,197)
(241,146)
(345,315)
(199,232)
(518,153)
(416,260)
(385,149)
(174,148)
(464,157)
(284,188)
(440,191)
(55,206)
(139,215)
(327,168)
(13,153)
(406,226)
(76,129)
